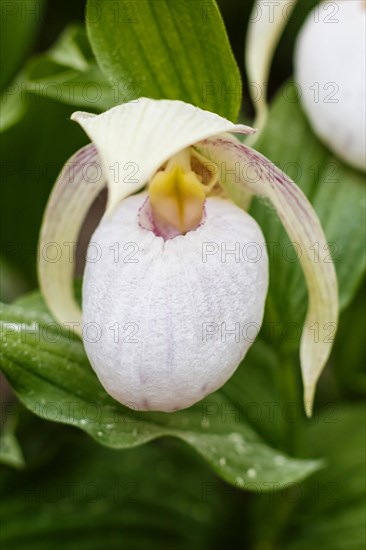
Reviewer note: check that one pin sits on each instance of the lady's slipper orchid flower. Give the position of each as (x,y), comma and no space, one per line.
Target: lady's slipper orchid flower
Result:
(330,67)
(166,300)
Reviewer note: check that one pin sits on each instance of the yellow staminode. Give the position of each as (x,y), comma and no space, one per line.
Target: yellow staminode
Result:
(177,196)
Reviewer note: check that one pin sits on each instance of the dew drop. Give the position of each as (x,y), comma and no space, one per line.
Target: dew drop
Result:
(251,473)
(279,460)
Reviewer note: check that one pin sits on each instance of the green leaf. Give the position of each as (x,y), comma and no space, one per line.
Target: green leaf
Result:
(12,104)
(68,73)
(10,451)
(336,192)
(327,511)
(349,360)
(257,389)
(36,440)
(170,50)
(19,24)
(88,497)
(31,157)
(333,508)
(50,373)
(12,282)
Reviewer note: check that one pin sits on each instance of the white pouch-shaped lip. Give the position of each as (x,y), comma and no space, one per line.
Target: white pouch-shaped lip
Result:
(170,321)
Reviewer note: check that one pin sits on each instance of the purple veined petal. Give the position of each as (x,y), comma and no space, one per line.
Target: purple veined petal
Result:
(78,184)
(135,139)
(303,227)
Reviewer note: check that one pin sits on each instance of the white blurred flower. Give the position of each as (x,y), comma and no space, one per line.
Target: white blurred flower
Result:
(330,67)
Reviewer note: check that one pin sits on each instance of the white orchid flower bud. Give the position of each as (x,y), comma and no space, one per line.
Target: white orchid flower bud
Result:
(176,294)
(330,67)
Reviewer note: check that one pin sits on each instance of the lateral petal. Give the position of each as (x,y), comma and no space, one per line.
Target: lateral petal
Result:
(263,178)
(78,184)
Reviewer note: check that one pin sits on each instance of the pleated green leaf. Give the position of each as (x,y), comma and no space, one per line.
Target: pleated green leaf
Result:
(167,49)
(89,497)
(50,373)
